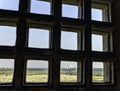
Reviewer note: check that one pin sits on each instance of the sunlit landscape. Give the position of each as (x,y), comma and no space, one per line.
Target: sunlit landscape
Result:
(41,75)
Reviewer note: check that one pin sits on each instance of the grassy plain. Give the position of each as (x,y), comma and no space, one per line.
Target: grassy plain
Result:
(41,75)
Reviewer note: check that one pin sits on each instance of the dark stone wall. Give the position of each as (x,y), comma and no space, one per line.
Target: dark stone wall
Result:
(116,22)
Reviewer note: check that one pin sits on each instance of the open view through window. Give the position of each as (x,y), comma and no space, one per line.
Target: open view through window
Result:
(97,46)
(6,70)
(37,71)
(101,41)
(45,50)
(71,8)
(38,38)
(98,72)
(75,10)
(97,14)
(70,72)
(100,12)
(7,35)
(40,7)
(101,72)
(9,4)
(69,40)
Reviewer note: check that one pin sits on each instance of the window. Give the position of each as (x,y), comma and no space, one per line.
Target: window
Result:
(71,39)
(38,38)
(7,35)
(9,4)
(95,45)
(101,41)
(40,7)
(37,71)
(6,71)
(101,12)
(97,14)
(72,10)
(70,72)
(102,72)
(57,45)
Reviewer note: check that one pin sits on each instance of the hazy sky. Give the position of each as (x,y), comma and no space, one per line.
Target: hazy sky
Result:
(9,4)
(38,38)
(68,40)
(6,63)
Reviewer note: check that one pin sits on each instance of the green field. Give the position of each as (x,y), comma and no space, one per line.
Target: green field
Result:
(37,75)
(6,75)
(41,75)
(98,75)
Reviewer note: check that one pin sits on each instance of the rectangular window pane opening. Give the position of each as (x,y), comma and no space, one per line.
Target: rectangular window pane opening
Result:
(100,12)
(98,72)
(101,72)
(6,70)
(38,38)
(97,14)
(97,42)
(7,35)
(70,72)
(70,11)
(40,7)
(37,71)
(69,40)
(9,4)
(101,41)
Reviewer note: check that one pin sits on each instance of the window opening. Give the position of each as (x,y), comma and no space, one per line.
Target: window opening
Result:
(97,42)
(101,12)
(6,70)
(37,71)
(72,9)
(40,7)
(69,40)
(101,41)
(101,72)
(9,4)
(98,72)
(7,35)
(38,38)
(97,14)
(69,11)
(70,72)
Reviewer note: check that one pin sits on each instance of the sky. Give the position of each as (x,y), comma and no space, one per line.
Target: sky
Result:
(39,38)
(68,64)
(9,4)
